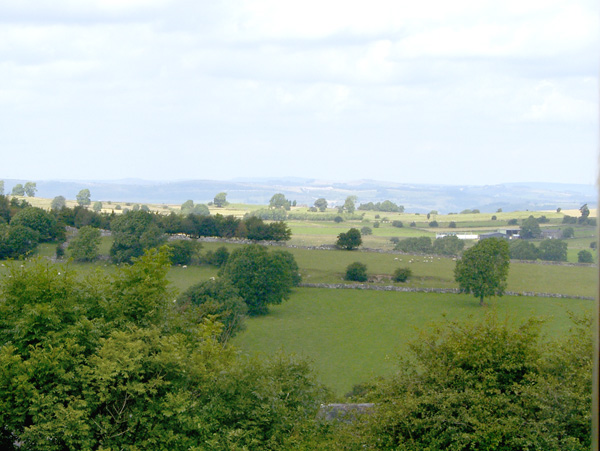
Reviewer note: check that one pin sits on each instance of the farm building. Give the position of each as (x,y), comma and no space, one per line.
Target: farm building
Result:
(460,236)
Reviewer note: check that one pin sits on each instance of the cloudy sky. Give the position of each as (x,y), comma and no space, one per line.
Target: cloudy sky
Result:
(431,91)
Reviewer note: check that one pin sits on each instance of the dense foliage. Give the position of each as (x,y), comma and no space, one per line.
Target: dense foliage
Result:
(108,362)
(349,240)
(356,272)
(262,277)
(479,386)
(483,269)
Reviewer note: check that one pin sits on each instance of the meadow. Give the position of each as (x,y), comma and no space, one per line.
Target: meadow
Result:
(353,335)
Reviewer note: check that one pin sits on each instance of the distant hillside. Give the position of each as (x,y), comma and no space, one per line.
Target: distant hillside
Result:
(415,198)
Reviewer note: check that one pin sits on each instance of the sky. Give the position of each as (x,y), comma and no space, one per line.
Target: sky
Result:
(462,92)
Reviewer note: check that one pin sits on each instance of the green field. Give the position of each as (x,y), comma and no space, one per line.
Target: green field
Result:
(352,335)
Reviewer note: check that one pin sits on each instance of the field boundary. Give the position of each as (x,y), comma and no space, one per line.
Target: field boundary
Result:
(361,286)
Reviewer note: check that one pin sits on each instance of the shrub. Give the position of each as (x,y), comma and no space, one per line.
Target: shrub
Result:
(413,224)
(349,240)
(585,256)
(395,239)
(366,231)
(433,223)
(593,245)
(402,274)
(553,250)
(415,244)
(356,272)
(494,217)
(512,221)
(397,224)
(376,224)
(338,219)
(452,225)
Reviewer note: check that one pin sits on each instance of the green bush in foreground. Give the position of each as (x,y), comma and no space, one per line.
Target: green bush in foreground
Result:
(109,362)
(478,385)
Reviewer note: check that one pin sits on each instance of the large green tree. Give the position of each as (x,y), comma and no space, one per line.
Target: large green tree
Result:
(279,201)
(483,269)
(261,277)
(553,250)
(30,189)
(39,220)
(18,190)
(220,200)
(530,228)
(321,204)
(58,203)
(85,246)
(349,240)
(83,197)
(133,233)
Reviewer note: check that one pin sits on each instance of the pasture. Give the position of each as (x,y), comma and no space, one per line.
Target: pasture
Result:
(352,336)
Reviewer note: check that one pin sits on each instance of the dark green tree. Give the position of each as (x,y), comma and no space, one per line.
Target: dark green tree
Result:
(585,256)
(356,272)
(420,244)
(133,233)
(261,277)
(184,252)
(553,250)
(218,257)
(221,300)
(523,250)
(321,204)
(568,232)
(17,241)
(585,213)
(349,240)
(39,220)
(530,228)
(83,198)
(483,269)
(85,246)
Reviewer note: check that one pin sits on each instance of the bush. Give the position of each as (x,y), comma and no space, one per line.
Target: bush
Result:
(217,258)
(512,221)
(413,224)
(395,239)
(366,231)
(448,245)
(593,245)
(523,250)
(402,274)
(349,240)
(356,272)
(452,225)
(585,256)
(376,224)
(553,250)
(338,219)
(433,223)
(397,224)
(415,244)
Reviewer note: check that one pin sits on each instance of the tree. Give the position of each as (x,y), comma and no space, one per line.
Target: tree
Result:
(420,244)
(350,204)
(530,228)
(58,203)
(221,300)
(585,213)
(188,207)
(366,231)
(85,246)
(523,250)
(279,201)
(17,241)
(585,256)
(39,220)
(483,269)
(184,252)
(356,272)
(217,258)
(261,277)
(448,245)
(553,250)
(30,189)
(220,200)
(349,240)
(97,206)
(83,197)
(1,187)
(568,232)
(18,190)
(133,233)
(321,204)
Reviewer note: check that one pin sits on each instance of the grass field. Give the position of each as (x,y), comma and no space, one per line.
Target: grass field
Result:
(352,336)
